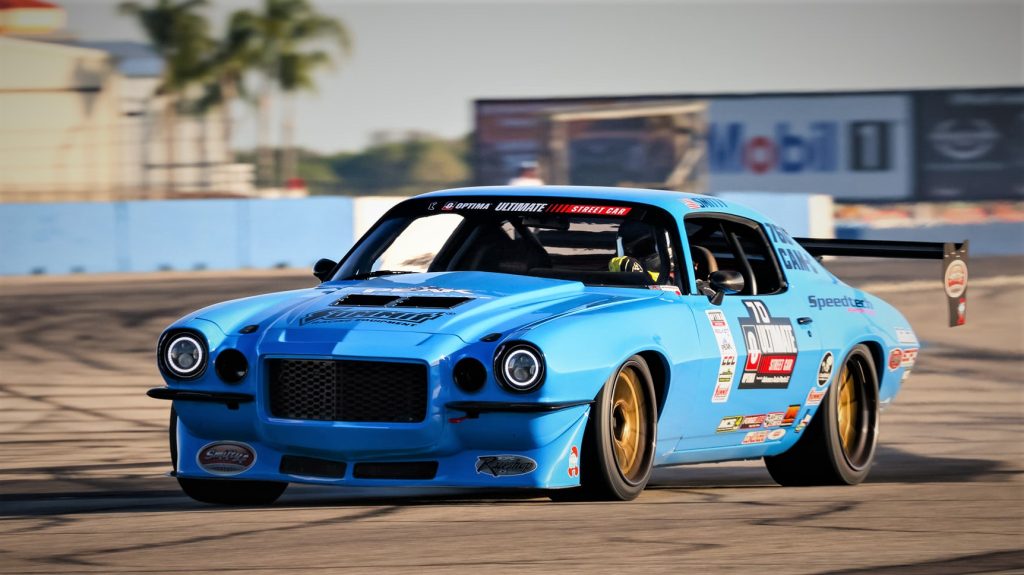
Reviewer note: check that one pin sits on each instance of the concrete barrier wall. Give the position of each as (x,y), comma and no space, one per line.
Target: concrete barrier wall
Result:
(239,234)
(172,235)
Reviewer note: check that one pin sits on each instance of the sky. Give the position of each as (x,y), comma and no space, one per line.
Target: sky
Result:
(418,65)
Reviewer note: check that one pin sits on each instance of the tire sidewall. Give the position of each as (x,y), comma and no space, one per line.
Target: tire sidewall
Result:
(618,485)
(847,472)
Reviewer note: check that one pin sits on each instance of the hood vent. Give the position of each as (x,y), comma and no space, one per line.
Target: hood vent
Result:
(432,302)
(365,300)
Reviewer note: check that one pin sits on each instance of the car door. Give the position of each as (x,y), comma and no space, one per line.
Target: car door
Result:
(759,340)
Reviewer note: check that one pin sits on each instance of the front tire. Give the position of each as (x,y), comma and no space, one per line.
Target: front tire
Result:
(222,491)
(838,447)
(618,444)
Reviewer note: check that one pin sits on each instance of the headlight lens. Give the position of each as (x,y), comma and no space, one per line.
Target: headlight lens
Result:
(521,366)
(184,356)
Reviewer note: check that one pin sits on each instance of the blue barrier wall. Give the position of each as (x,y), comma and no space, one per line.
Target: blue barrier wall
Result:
(172,235)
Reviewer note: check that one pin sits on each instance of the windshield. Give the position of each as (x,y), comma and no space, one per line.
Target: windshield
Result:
(595,242)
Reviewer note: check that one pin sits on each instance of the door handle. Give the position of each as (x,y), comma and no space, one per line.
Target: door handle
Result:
(804,320)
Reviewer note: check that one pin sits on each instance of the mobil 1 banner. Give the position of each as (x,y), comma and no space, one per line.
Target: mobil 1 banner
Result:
(970,144)
(850,147)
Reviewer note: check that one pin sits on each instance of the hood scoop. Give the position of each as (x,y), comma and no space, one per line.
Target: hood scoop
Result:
(428,302)
(365,300)
(432,302)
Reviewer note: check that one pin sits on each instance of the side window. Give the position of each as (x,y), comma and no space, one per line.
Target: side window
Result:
(737,245)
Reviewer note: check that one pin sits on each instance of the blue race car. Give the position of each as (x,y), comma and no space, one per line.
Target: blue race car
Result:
(559,338)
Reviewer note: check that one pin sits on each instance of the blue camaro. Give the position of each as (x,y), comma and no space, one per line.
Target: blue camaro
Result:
(564,338)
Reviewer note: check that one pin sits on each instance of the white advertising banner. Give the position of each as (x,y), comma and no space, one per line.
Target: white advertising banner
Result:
(849,147)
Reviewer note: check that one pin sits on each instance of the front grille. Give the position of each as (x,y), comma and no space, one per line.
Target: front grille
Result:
(348,390)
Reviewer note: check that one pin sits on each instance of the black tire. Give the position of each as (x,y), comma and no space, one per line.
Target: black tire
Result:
(608,473)
(838,446)
(223,491)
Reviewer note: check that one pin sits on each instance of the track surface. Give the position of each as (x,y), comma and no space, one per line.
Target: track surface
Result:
(83,458)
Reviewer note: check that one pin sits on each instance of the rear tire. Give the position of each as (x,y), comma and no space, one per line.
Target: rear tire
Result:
(222,491)
(618,445)
(838,447)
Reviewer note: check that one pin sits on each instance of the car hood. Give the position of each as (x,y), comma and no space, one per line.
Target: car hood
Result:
(468,305)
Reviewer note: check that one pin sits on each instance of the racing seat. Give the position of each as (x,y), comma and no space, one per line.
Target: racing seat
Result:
(704,263)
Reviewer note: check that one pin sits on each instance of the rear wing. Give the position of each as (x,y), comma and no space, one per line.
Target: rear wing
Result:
(953,256)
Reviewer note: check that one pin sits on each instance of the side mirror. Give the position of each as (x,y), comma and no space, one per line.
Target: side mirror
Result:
(323,267)
(727,281)
(720,283)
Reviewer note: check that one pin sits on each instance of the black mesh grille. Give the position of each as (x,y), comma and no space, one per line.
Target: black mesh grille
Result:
(346,390)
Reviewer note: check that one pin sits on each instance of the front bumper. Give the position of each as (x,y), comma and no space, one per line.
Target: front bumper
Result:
(384,454)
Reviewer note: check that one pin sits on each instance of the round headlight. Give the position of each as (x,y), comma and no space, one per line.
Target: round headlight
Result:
(521,367)
(184,355)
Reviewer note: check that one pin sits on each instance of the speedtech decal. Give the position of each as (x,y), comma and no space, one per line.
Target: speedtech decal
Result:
(226,457)
(771,348)
(726,355)
(504,465)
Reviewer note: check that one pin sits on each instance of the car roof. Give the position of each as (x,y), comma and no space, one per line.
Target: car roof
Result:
(669,200)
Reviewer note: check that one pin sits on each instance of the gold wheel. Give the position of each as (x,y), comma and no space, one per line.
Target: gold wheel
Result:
(848,412)
(629,423)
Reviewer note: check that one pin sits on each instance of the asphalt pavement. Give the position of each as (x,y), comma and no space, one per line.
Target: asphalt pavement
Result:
(84,462)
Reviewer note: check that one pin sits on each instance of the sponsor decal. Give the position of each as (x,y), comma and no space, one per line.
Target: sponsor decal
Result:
(449,206)
(727,355)
(796,259)
(905,376)
(774,419)
(825,369)
(406,318)
(731,423)
(790,415)
(226,457)
(904,335)
(771,348)
(432,206)
(755,437)
(803,423)
(814,396)
(669,289)
(851,304)
(961,311)
(698,203)
(895,359)
(574,461)
(909,358)
(752,421)
(504,465)
(793,257)
(588,210)
(963,139)
(776,434)
(956,278)
(520,207)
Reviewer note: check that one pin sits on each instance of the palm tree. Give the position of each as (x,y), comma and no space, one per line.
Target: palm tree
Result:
(236,54)
(284,29)
(180,35)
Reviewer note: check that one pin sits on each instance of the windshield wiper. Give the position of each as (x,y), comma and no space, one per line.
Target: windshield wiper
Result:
(377,273)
